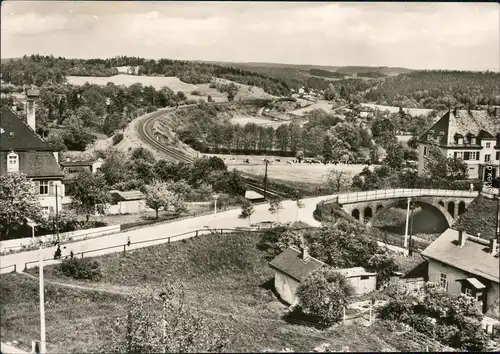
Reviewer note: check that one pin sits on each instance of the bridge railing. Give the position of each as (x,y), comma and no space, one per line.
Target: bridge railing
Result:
(402,193)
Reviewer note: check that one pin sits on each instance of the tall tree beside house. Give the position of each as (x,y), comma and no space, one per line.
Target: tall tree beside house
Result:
(395,155)
(90,193)
(160,195)
(444,169)
(247,210)
(325,293)
(18,202)
(164,322)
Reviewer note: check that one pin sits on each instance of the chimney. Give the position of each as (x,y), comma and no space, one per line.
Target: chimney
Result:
(493,246)
(32,95)
(14,108)
(68,159)
(462,237)
(305,254)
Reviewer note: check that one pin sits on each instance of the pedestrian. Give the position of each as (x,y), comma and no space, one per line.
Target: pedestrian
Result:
(471,188)
(57,253)
(71,254)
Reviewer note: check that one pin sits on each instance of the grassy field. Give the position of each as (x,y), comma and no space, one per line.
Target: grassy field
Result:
(393,109)
(242,120)
(324,105)
(225,274)
(199,91)
(310,173)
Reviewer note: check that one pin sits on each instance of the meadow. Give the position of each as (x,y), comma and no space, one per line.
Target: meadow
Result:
(223,274)
(394,109)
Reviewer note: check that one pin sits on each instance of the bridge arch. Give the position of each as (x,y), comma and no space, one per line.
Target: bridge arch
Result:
(441,203)
(367,214)
(449,218)
(451,208)
(355,214)
(461,207)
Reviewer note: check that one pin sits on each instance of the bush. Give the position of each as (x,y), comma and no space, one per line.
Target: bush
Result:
(83,268)
(117,138)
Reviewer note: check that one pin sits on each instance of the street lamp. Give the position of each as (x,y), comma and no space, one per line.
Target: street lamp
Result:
(215,197)
(164,298)
(407,222)
(43,348)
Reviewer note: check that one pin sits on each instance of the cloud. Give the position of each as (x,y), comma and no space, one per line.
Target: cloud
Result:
(32,24)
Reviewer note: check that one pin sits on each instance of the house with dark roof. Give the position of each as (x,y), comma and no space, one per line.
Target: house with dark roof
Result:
(292,266)
(470,135)
(72,168)
(462,263)
(23,151)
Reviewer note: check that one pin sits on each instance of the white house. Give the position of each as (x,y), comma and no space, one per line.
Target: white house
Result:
(23,151)
(473,136)
(72,168)
(130,202)
(462,263)
(293,266)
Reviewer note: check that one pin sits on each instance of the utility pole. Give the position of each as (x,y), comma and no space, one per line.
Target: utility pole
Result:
(57,213)
(407,222)
(411,232)
(43,348)
(265,180)
(497,198)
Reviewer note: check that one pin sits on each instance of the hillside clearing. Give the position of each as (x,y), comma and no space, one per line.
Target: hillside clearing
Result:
(393,109)
(225,274)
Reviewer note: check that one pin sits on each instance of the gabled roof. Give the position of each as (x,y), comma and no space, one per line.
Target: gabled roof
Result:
(253,195)
(125,196)
(290,262)
(18,136)
(463,122)
(76,163)
(474,257)
(35,164)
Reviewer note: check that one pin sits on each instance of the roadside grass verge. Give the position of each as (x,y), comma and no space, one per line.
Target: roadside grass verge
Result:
(225,275)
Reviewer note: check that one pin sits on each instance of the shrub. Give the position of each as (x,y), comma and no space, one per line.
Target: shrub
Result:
(117,138)
(82,268)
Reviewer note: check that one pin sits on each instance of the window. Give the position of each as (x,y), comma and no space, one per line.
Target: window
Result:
(426,150)
(497,155)
(459,155)
(12,162)
(487,158)
(44,187)
(443,281)
(365,277)
(45,210)
(488,145)
(468,292)
(473,155)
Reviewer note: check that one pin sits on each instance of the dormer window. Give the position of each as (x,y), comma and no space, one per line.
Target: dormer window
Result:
(12,162)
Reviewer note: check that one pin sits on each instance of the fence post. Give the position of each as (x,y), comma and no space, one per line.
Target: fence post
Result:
(196,235)
(124,249)
(221,231)
(82,254)
(15,267)
(343,309)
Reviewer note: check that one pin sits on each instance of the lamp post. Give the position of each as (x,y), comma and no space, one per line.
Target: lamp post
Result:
(57,212)
(215,197)
(43,348)
(164,298)
(407,222)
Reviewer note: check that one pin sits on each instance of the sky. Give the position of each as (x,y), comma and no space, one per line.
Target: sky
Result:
(462,36)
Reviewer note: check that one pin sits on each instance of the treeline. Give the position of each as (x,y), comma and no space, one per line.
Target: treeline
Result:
(209,129)
(37,70)
(326,73)
(78,111)
(438,90)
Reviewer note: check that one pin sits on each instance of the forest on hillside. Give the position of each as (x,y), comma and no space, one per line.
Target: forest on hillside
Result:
(73,113)
(37,70)
(438,90)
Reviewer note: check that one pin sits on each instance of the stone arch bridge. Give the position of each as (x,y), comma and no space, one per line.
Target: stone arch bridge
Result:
(366,206)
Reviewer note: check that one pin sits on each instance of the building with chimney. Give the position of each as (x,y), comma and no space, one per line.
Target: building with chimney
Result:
(293,266)
(473,136)
(462,263)
(22,150)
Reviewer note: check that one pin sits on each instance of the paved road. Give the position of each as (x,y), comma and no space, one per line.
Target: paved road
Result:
(9,349)
(227,219)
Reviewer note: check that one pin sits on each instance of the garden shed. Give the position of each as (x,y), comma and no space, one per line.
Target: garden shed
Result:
(130,202)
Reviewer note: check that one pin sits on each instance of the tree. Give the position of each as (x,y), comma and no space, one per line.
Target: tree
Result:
(115,168)
(325,293)
(247,210)
(159,195)
(18,202)
(384,264)
(142,153)
(166,323)
(338,179)
(90,193)
(275,204)
(395,156)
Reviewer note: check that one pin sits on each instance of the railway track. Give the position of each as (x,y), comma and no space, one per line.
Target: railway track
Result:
(146,133)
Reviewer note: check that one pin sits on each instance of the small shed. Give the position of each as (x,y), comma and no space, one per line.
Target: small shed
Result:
(362,280)
(291,268)
(254,196)
(129,202)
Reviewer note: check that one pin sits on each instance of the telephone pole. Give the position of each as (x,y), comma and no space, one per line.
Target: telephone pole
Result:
(265,180)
